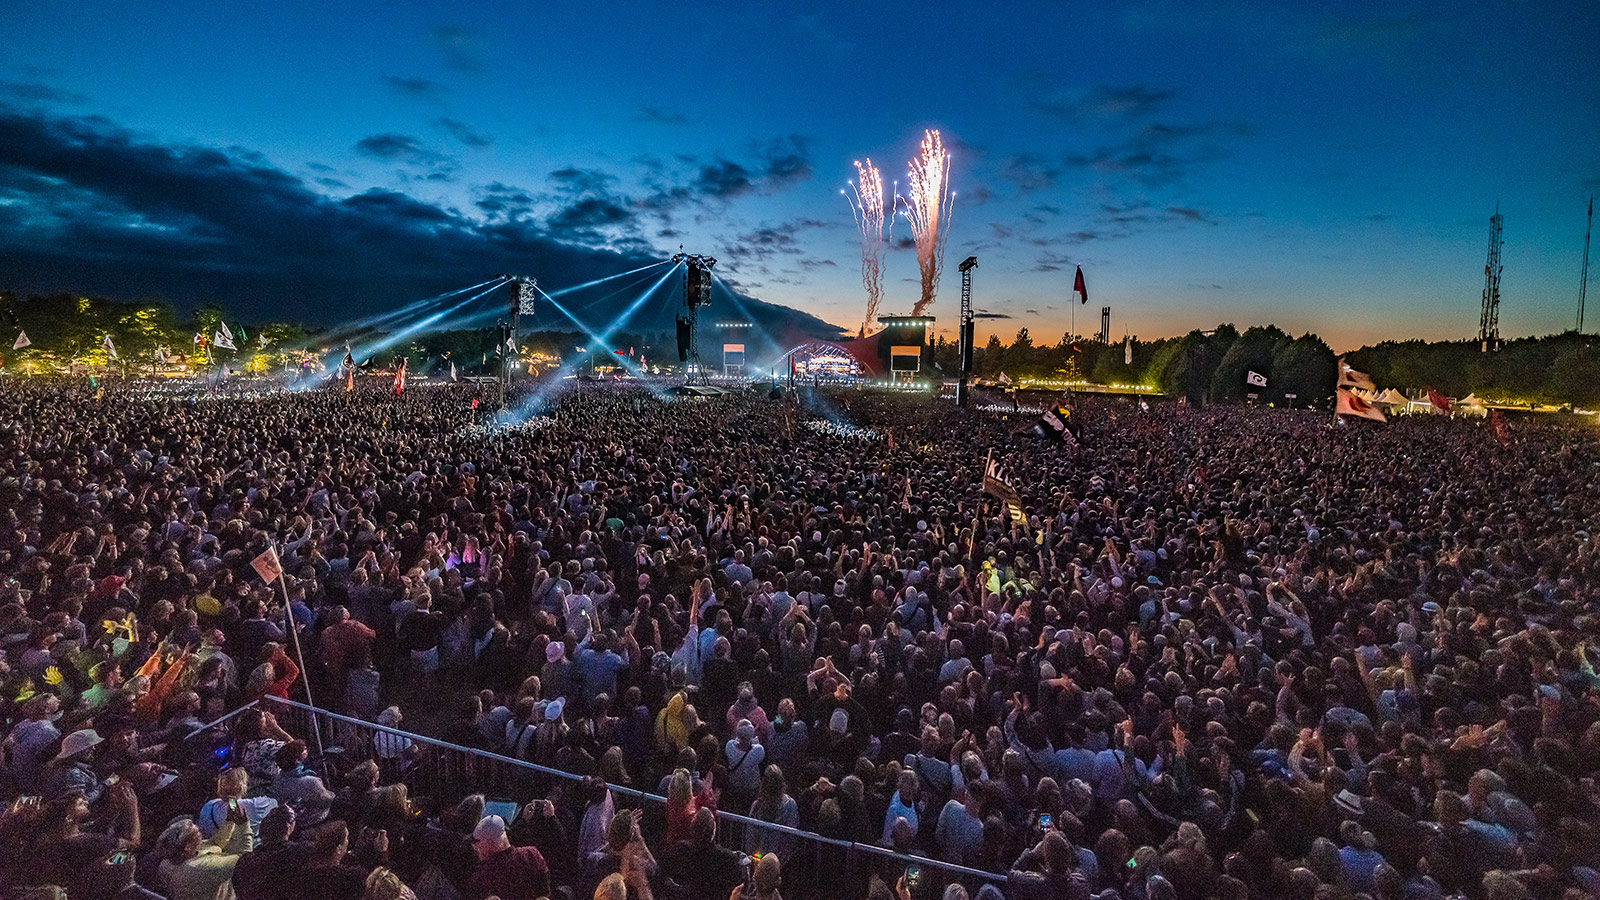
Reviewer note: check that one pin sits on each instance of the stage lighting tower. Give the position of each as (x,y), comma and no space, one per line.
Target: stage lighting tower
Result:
(696,293)
(964,338)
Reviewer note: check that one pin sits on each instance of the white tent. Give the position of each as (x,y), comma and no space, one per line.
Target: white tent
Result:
(1391,397)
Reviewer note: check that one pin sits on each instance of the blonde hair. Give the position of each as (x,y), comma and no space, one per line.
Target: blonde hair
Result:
(680,789)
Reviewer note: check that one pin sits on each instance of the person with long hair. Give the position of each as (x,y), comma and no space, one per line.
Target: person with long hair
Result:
(772,804)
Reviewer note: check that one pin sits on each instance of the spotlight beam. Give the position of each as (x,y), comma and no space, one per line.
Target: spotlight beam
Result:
(598,281)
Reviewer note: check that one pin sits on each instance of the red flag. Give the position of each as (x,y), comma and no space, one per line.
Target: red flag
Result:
(349,380)
(1352,405)
(267,565)
(1079,288)
(1439,401)
(400,376)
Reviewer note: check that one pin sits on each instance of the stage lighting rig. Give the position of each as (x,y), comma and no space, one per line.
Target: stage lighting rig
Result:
(696,293)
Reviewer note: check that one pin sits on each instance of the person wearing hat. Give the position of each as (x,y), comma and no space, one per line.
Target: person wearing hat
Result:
(72,769)
(504,871)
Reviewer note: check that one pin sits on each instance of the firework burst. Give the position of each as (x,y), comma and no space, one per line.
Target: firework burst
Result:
(928,210)
(866,204)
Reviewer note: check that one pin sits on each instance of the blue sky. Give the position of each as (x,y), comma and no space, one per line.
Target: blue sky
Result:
(1328,168)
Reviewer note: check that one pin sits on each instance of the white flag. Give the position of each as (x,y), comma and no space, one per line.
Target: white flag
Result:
(511,346)
(21,341)
(111,349)
(267,565)
(221,339)
(453,372)
(1255,378)
(161,356)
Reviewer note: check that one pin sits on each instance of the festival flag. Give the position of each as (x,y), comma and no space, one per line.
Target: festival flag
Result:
(1351,405)
(996,485)
(453,371)
(1057,423)
(1439,401)
(21,341)
(1004,379)
(161,355)
(1255,379)
(199,339)
(267,565)
(221,339)
(1350,378)
(511,345)
(111,349)
(261,340)
(1127,350)
(400,376)
(349,379)
(1079,288)
(349,361)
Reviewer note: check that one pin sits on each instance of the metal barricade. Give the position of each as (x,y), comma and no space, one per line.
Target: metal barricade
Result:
(816,867)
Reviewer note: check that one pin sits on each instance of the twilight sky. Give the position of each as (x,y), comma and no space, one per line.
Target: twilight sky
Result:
(1328,167)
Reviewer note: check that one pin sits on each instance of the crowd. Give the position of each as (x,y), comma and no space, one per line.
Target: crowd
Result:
(1229,653)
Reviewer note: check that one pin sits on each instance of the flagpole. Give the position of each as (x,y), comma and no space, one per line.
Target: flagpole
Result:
(294,634)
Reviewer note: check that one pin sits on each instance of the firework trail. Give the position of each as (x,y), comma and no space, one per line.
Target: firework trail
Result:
(928,211)
(866,204)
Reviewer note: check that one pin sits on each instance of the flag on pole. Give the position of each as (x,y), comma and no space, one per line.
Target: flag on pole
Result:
(453,371)
(221,339)
(511,345)
(267,565)
(199,339)
(1439,401)
(1350,378)
(161,355)
(1079,288)
(349,362)
(996,485)
(1127,350)
(111,349)
(1255,379)
(400,376)
(1351,405)
(1004,379)
(349,379)
(1057,423)
(261,340)
(21,341)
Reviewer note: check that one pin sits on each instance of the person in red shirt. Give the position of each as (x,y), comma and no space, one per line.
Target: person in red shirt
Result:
(504,871)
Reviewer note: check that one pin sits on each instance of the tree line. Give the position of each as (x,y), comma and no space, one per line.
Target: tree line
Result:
(67,330)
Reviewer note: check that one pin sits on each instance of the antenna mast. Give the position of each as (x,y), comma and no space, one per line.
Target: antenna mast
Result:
(1583,286)
(1489,320)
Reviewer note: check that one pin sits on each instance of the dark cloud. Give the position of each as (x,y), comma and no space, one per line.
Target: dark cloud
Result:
(419,88)
(767,242)
(589,213)
(499,199)
(33,92)
(659,116)
(723,180)
(1197,286)
(1030,312)
(1031,172)
(786,161)
(463,132)
(1160,154)
(395,147)
(88,207)
(1188,213)
(1131,101)
(459,46)
(991,315)
(904,243)
(582,181)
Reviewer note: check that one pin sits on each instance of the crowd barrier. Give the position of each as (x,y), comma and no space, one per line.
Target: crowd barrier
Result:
(817,866)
